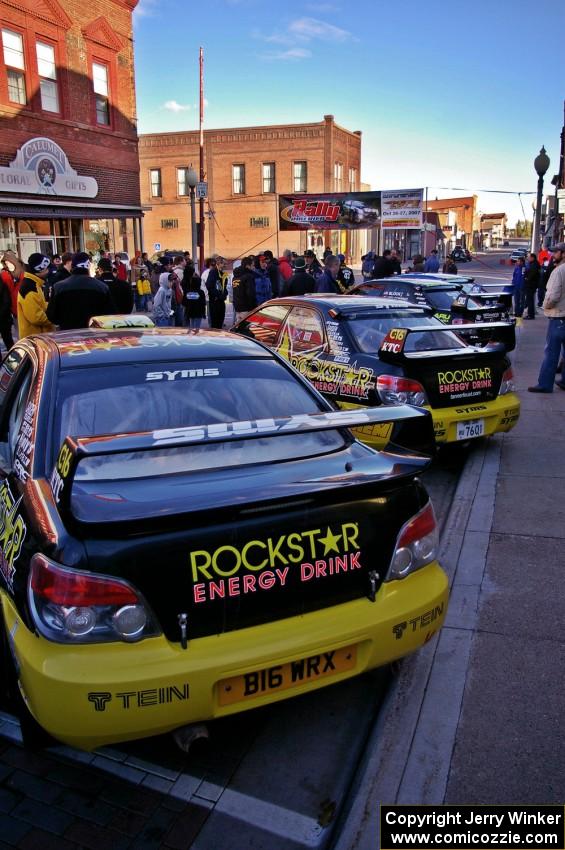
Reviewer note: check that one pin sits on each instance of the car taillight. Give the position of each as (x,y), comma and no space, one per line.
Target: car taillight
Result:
(416,545)
(395,390)
(507,384)
(73,606)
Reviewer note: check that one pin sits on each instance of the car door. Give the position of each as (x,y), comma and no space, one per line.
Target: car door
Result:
(17,429)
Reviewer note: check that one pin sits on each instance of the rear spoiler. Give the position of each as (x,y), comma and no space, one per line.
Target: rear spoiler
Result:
(393,345)
(412,431)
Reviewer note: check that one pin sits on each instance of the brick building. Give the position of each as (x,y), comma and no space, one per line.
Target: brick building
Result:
(459,220)
(246,168)
(493,229)
(69,168)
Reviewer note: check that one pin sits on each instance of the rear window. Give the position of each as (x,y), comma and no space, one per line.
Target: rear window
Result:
(442,299)
(369,332)
(153,396)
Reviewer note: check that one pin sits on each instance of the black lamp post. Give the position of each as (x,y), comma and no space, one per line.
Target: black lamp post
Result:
(192,180)
(541,164)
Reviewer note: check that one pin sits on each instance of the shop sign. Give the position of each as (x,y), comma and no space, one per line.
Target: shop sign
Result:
(402,209)
(41,167)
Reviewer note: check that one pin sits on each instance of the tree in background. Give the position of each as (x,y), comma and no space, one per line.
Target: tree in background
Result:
(523,228)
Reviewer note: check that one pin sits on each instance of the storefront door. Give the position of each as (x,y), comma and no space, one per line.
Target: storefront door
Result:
(36,245)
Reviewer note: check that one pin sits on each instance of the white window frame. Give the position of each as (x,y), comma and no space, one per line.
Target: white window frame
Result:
(101,87)
(155,186)
(47,72)
(14,61)
(300,176)
(238,178)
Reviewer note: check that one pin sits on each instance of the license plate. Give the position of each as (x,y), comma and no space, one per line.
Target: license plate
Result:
(285,676)
(470,428)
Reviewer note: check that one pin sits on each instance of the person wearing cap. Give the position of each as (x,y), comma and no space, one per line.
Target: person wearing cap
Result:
(273,270)
(554,309)
(313,267)
(301,282)
(32,306)
(80,297)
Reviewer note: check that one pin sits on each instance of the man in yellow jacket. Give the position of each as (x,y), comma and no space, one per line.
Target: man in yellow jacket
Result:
(32,316)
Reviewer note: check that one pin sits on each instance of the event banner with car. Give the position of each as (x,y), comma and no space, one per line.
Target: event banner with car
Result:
(399,209)
(338,211)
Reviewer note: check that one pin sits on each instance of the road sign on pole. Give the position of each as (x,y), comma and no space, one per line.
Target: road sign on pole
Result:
(201,190)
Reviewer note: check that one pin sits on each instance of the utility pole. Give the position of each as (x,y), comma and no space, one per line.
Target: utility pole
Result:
(201,202)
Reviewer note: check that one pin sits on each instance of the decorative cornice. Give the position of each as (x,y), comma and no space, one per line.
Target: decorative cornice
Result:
(45,10)
(101,32)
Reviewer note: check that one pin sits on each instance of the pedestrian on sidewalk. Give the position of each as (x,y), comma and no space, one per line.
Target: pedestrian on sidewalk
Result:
(518,290)
(162,303)
(554,309)
(449,266)
(79,297)
(327,282)
(531,282)
(432,263)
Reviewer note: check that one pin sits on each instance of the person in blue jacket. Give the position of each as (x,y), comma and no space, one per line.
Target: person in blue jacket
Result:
(518,287)
(432,263)
(263,290)
(327,282)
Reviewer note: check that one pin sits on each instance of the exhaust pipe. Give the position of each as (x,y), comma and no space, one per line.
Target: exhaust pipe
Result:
(185,736)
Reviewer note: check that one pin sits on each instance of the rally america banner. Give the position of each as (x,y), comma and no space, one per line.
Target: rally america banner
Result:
(337,211)
(402,209)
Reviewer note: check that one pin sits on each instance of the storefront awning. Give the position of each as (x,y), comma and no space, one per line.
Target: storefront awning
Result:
(50,211)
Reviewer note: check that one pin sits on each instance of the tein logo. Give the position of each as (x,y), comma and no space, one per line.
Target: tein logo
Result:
(140,699)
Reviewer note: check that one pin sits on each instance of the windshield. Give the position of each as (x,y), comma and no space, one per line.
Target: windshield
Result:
(370,331)
(157,395)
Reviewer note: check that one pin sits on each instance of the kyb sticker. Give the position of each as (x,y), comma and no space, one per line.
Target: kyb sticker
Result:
(275,562)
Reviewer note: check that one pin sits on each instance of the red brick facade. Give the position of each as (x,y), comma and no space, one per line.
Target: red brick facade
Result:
(239,223)
(80,34)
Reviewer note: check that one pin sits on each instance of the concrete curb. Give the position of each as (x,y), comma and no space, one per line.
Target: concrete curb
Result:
(408,755)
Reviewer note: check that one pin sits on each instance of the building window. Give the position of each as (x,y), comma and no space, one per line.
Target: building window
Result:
(13,47)
(238,179)
(47,70)
(352,179)
(169,223)
(101,93)
(268,177)
(155,181)
(338,176)
(259,221)
(300,174)
(182,185)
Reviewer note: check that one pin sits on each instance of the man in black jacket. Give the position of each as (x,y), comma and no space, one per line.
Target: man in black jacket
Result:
(301,282)
(75,300)
(384,266)
(120,290)
(243,289)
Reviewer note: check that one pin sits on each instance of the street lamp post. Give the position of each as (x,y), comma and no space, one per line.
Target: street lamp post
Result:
(192,180)
(541,164)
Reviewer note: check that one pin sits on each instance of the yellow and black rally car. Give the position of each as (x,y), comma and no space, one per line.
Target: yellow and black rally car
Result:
(188,529)
(364,351)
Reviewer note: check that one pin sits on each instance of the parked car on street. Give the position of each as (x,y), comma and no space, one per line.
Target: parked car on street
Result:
(461,255)
(189,529)
(362,351)
(518,254)
(454,299)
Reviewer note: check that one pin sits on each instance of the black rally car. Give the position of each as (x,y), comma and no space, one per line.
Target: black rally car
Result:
(360,350)
(188,529)
(452,302)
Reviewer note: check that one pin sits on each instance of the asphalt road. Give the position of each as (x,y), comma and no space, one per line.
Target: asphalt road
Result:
(271,779)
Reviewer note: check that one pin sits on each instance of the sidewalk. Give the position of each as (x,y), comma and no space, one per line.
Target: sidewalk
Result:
(477,717)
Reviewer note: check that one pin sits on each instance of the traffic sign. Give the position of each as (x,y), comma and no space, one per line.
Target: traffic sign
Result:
(201,190)
(157,246)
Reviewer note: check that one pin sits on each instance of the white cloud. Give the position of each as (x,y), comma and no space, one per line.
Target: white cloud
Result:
(294,54)
(145,8)
(174,106)
(308,29)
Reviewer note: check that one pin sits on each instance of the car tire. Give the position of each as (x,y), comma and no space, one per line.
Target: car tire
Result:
(34,736)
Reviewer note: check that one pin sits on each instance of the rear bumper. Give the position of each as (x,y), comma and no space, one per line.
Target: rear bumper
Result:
(88,696)
(498,415)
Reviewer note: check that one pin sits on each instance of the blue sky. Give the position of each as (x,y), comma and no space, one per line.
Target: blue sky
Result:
(446,94)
